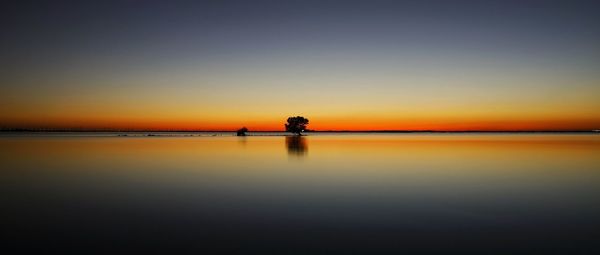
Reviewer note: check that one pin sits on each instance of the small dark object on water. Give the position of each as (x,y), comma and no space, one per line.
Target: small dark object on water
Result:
(242,131)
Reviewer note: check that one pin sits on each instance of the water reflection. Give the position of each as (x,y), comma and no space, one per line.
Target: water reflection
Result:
(457,191)
(242,141)
(296,145)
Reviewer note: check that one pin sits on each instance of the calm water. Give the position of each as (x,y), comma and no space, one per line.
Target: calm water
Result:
(320,194)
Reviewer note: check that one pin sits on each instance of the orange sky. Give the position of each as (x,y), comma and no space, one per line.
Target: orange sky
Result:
(556,100)
(320,123)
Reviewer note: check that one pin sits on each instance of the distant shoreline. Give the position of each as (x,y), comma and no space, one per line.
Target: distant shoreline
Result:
(279,131)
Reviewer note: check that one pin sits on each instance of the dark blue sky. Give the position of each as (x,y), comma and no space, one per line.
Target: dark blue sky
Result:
(49,32)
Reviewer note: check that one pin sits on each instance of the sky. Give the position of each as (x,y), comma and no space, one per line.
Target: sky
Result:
(344,65)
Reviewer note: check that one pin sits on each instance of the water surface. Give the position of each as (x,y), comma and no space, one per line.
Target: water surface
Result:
(318,194)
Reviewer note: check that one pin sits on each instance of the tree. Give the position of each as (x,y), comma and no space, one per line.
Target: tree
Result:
(242,131)
(296,124)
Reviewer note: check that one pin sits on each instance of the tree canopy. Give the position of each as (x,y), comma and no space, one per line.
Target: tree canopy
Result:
(296,124)
(242,131)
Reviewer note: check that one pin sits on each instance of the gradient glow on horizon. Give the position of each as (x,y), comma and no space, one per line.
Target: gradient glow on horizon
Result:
(345,65)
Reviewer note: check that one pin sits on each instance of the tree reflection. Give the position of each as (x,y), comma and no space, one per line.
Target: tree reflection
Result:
(296,145)
(242,141)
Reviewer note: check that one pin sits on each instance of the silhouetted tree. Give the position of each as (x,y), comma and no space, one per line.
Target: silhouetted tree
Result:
(296,124)
(242,131)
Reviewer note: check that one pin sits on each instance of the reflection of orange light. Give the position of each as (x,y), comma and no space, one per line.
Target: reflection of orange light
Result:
(386,155)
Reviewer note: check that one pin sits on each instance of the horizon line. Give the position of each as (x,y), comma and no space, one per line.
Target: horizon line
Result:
(33,130)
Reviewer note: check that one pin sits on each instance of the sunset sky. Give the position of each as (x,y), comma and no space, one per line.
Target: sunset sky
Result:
(345,65)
